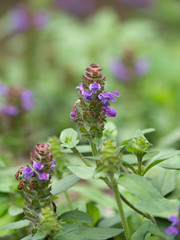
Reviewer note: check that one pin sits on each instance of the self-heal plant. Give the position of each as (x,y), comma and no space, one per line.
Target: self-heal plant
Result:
(36,186)
(93,106)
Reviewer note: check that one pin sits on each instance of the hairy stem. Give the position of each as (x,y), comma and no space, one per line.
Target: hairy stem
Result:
(74,149)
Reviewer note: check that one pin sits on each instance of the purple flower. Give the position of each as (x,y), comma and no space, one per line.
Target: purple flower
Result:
(120,71)
(37,166)
(53,165)
(107,96)
(10,110)
(77,7)
(3,90)
(81,89)
(109,111)
(27,173)
(172,230)
(43,176)
(27,98)
(24,19)
(141,67)
(174,220)
(94,87)
(88,95)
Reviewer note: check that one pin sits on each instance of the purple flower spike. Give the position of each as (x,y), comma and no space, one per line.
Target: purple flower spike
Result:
(27,173)
(109,111)
(172,230)
(53,165)
(43,176)
(3,90)
(88,95)
(10,110)
(37,166)
(94,87)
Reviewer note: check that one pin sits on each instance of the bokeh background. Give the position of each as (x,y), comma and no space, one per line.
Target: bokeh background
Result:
(46,45)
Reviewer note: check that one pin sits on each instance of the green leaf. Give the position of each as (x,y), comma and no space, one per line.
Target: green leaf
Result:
(86,233)
(29,237)
(141,232)
(164,182)
(93,211)
(173,163)
(159,159)
(64,184)
(68,138)
(150,155)
(154,230)
(139,186)
(158,207)
(148,130)
(76,217)
(83,172)
(14,210)
(16,225)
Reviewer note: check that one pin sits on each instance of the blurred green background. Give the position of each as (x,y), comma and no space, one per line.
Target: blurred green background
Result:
(46,45)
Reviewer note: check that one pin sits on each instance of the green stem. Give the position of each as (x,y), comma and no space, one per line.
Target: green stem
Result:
(74,149)
(68,200)
(139,158)
(93,146)
(121,211)
(146,215)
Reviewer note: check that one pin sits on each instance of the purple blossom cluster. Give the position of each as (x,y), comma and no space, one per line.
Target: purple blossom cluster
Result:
(129,68)
(93,106)
(76,7)
(15,100)
(42,164)
(174,229)
(23,19)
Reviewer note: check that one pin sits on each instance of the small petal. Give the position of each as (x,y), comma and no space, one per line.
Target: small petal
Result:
(94,87)
(53,165)
(10,110)
(109,111)
(88,95)
(81,89)
(27,173)
(37,166)
(172,230)
(174,220)
(115,93)
(43,176)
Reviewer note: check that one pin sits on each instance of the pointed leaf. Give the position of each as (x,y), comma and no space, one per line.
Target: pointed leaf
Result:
(77,217)
(64,184)
(141,232)
(16,225)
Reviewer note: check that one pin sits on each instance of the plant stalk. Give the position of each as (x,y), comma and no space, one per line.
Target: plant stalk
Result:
(74,149)
(121,211)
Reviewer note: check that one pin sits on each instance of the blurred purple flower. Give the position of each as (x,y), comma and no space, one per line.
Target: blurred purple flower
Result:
(109,111)
(37,166)
(23,19)
(174,229)
(3,90)
(76,7)
(27,98)
(43,176)
(27,173)
(141,67)
(127,73)
(94,87)
(10,110)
